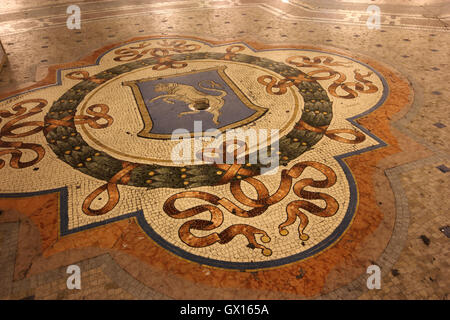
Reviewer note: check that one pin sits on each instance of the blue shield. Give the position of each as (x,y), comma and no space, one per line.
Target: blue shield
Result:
(174,102)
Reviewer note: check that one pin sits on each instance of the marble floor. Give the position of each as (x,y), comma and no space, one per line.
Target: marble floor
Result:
(232,149)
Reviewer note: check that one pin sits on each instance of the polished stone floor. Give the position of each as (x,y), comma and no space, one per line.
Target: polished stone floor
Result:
(356,175)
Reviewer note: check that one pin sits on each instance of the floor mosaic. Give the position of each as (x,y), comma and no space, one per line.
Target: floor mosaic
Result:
(99,102)
(89,172)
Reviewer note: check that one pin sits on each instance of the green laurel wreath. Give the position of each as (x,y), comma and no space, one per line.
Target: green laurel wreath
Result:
(70,147)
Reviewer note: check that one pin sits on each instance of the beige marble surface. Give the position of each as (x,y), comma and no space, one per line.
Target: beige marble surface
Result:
(414,39)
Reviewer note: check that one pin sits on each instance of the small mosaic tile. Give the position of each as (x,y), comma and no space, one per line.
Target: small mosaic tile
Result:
(443,168)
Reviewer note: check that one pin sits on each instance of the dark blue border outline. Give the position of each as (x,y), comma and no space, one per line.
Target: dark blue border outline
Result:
(139,215)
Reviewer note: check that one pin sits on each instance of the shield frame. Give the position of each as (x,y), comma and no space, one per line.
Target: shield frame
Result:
(147,119)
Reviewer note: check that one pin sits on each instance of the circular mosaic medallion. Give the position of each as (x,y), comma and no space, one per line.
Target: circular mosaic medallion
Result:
(236,109)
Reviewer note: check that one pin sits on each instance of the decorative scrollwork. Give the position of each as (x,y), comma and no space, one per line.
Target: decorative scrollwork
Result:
(14,147)
(324,71)
(165,60)
(134,52)
(83,75)
(259,205)
(271,82)
(232,51)
(221,154)
(91,121)
(111,188)
(359,86)
(178,45)
(334,133)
